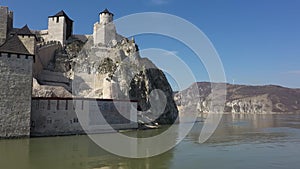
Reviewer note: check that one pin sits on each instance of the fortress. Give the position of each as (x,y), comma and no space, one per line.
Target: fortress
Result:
(26,60)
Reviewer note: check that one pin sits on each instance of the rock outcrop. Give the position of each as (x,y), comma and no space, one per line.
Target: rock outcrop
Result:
(112,72)
(241,99)
(122,74)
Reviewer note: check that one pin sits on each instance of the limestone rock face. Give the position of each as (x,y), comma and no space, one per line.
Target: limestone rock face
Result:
(120,73)
(240,99)
(111,71)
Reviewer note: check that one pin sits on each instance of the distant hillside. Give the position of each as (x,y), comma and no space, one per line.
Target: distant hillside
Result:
(241,99)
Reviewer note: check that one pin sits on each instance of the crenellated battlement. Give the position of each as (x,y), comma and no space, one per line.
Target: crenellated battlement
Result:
(48,44)
(15,56)
(61,116)
(60,27)
(105,31)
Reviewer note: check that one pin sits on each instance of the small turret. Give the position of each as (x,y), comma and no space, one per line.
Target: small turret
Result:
(105,30)
(106,17)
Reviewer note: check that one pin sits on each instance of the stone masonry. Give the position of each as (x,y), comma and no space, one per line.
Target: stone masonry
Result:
(66,116)
(15,92)
(5,23)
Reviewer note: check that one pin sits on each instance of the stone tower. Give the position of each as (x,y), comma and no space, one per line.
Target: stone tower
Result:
(6,23)
(105,17)
(105,30)
(28,39)
(60,27)
(16,87)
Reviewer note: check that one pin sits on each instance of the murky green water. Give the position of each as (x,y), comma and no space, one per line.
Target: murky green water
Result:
(252,141)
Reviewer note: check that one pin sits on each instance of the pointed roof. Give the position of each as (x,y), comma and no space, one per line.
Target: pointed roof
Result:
(14,45)
(61,13)
(106,11)
(22,31)
(25,31)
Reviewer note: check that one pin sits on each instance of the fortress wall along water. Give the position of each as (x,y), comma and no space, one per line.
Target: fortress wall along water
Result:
(68,116)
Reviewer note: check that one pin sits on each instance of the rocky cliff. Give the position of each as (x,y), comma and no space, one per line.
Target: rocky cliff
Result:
(114,71)
(241,99)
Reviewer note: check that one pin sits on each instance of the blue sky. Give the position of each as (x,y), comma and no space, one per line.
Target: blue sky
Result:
(258,41)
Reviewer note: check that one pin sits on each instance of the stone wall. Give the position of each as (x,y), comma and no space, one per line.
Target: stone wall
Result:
(45,53)
(29,42)
(104,34)
(37,66)
(42,35)
(47,77)
(66,116)
(3,23)
(10,20)
(15,94)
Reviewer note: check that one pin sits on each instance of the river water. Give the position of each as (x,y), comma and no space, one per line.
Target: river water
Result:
(240,141)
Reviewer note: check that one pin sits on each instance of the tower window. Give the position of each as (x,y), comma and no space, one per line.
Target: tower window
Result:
(57,19)
(75,120)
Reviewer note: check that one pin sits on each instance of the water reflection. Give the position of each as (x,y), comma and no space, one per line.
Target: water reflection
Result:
(237,129)
(237,138)
(80,152)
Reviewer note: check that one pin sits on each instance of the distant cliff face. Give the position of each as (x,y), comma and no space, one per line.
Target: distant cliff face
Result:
(242,99)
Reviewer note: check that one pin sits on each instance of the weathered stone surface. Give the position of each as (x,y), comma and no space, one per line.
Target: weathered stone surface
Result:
(64,116)
(3,24)
(48,91)
(126,76)
(116,72)
(241,99)
(15,95)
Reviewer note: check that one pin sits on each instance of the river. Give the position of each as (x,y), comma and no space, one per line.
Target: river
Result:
(240,141)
